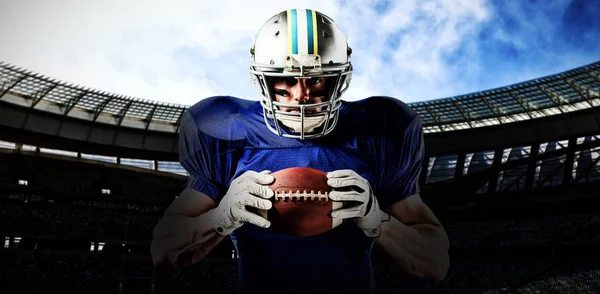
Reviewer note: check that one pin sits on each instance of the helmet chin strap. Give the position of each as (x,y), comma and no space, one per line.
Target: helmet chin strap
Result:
(295,122)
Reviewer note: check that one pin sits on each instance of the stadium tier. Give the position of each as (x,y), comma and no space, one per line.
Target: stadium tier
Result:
(561,93)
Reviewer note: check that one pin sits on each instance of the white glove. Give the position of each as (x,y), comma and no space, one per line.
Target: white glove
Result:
(366,214)
(249,189)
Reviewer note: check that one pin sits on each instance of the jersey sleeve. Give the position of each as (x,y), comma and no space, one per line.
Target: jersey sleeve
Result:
(196,155)
(403,153)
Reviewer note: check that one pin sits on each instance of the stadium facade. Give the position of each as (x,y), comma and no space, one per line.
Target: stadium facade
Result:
(534,141)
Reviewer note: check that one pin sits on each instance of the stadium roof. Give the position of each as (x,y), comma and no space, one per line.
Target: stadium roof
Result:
(564,92)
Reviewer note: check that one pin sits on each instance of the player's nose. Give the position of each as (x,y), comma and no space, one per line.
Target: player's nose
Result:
(301,91)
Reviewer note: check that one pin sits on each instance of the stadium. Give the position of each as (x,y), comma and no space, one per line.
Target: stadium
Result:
(513,174)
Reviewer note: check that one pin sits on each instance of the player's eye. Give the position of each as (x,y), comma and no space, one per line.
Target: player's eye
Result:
(281,92)
(315,81)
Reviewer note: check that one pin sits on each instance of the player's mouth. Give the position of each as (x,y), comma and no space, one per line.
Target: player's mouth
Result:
(306,111)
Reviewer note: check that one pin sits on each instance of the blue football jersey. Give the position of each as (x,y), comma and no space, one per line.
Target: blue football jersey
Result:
(379,138)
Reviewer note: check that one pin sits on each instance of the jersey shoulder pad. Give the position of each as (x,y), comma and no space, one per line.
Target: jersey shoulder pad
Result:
(379,111)
(389,106)
(222,117)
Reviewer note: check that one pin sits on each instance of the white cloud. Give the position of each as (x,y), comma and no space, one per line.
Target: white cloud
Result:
(424,35)
(182,51)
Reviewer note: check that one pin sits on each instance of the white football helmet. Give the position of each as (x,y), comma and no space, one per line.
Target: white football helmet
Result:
(301,43)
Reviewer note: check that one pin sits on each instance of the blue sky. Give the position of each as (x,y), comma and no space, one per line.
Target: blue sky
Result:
(184,51)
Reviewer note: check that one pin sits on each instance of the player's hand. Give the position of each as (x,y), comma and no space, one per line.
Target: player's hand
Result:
(353,187)
(249,189)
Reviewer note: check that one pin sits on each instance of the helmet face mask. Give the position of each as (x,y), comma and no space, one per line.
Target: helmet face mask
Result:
(288,46)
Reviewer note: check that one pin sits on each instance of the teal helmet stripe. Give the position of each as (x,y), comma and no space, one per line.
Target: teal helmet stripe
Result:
(309,24)
(294,16)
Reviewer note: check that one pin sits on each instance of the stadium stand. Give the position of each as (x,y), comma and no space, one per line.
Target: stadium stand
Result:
(513,173)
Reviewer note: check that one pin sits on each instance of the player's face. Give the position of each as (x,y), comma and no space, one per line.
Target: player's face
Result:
(300,91)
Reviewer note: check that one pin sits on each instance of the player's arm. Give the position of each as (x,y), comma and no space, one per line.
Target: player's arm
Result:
(185,234)
(193,224)
(415,239)
(408,231)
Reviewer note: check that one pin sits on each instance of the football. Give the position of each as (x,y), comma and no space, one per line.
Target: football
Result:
(301,205)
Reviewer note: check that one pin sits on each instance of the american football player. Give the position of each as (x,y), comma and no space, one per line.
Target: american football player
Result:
(372,147)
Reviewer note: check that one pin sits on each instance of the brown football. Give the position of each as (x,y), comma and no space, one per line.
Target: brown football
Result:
(301,205)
